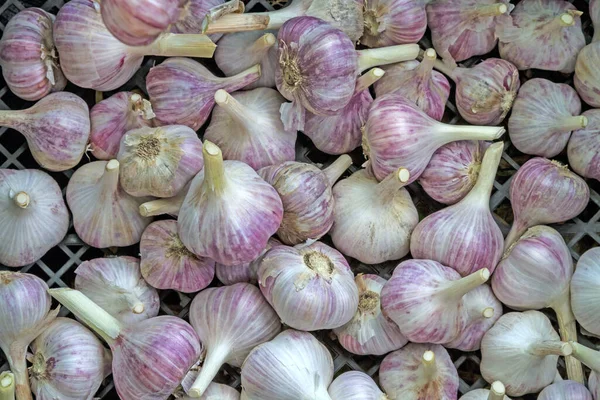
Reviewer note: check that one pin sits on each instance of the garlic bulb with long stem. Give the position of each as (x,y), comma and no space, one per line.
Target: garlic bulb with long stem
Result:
(310,286)
(584,291)
(246,272)
(294,365)
(389,22)
(370,331)
(583,149)
(104,215)
(7,386)
(464,236)
(28,57)
(496,392)
(116,285)
(33,213)
(565,390)
(426,300)
(399,134)
(229,212)
(182,91)
(231,321)
(543,116)
(57,129)
(24,314)
(419,371)
(355,385)
(373,220)
(247,127)
(167,264)
(521,350)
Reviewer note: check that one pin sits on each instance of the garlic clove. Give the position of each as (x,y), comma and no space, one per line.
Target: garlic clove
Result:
(587,78)
(247,272)
(7,385)
(34,216)
(584,147)
(584,291)
(389,22)
(565,390)
(496,392)
(355,385)
(419,371)
(311,287)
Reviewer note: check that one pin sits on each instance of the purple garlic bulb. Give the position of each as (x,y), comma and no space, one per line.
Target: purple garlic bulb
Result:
(246,272)
(583,149)
(389,22)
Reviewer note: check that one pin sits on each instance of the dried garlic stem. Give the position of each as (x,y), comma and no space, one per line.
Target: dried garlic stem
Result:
(370,58)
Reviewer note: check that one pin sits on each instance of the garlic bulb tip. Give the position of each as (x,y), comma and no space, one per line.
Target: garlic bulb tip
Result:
(488,312)
(112,165)
(22,199)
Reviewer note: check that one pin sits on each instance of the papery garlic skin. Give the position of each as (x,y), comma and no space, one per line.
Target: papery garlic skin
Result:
(565,390)
(355,385)
(584,290)
(33,213)
(311,287)
(68,362)
(583,149)
(389,22)
(167,264)
(369,331)
(28,57)
(543,116)
(159,161)
(247,272)
(306,373)
(419,371)
(587,76)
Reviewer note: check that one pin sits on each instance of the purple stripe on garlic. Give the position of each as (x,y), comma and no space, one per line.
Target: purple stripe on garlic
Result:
(389,22)
(355,385)
(583,149)
(247,272)
(496,392)
(565,390)
(584,291)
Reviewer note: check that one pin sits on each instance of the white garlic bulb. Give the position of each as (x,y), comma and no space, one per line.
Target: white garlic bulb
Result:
(585,292)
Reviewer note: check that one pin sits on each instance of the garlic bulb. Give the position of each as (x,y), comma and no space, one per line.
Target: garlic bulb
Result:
(7,385)
(231,320)
(355,385)
(229,212)
(310,286)
(419,83)
(591,358)
(370,331)
(522,350)
(170,205)
(159,161)
(543,116)
(542,34)
(534,183)
(182,91)
(113,117)
(116,285)
(307,198)
(247,272)
(464,236)
(27,55)
(496,392)
(389,22)
(292,366)
(419,371)
(342,132)
(57,129)
(426,300)
(247,127)
(167,264)
(565,390)
(373,220)
(453,170)
(584,291)
(584,147)
(68,362)
(587,78)
(239,51)
(103,214)
(466,28)
(398,134)
(33,213)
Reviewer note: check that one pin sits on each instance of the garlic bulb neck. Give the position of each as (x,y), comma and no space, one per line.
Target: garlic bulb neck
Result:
(210,368)
(550,347)
(457,289)
(370,58)
(337,168)
(491,10)
(7,386)
(319,263)
(568,18)
(263,43)
(567,328)
(429,366)
(134,303)
(214,173)
(11,118)
(388,188)
(572,123)
(22,199)
(426,65)
(487,173)
(236,110)
(110,179)
(470,132)
(141,106)
(450,72)
(367,79)
(161,206)
(178,45)
(497,391)
(589,357)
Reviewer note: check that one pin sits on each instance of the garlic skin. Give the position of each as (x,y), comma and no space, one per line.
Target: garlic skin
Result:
(522,351)
(33,213)
(325,295)
(116,285)
(307,371)
(167,264)
(369,332)
(239,51)
(418,82)
(543,116)
(583,149)
(584,291)
(231,320)
(159,161)
(587,77)
(68,362)
(248,128)
(453,170)
(247,272)
(27,55)
(104,215)
(422,291)
(182,90)
(551,27)
(419,371)
(389,22)
(565,390)
(355,385)
(464,236)
(229,212)
(113,117)
(373,220)
(496,392)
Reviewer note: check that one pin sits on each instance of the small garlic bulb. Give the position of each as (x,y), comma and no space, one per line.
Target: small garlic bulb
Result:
(583,149)
(419,371)
(103,214)
(565,390)
(310,286)
(496,392)
(159,161)
(247,272)
(370,331)
(521,350)
(355,385)
(585,293)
